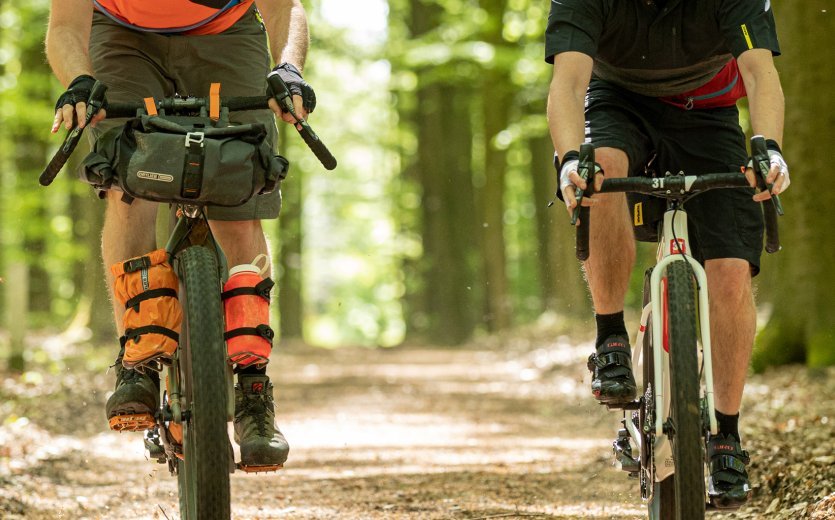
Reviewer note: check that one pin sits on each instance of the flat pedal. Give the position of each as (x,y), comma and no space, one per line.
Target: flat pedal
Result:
(632,405)
(132,422)
(259,469)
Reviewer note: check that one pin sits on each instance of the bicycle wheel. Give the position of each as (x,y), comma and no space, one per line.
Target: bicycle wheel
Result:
(663,503)
(204,475)
(686,436)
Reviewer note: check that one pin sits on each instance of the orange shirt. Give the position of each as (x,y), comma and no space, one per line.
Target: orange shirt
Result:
(175,16)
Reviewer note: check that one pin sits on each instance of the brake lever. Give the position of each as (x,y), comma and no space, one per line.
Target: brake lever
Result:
(282,96)
(762,164)
(585,170)
(94,104)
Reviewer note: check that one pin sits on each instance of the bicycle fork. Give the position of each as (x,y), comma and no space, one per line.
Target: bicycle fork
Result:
(673,247)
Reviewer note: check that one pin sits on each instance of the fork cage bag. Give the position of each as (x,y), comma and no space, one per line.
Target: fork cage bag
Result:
(190,160)
(147,286)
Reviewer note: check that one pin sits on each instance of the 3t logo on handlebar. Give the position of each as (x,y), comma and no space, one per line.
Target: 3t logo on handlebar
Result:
(658,184)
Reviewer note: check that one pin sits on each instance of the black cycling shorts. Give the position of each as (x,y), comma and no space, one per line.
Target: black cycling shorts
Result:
(723,223)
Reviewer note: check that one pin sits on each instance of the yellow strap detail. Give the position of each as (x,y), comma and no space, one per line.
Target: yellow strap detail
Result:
(638,214)
(747,36)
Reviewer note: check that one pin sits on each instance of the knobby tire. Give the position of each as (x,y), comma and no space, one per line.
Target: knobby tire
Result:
(204,475)
(663,503)
(684,381)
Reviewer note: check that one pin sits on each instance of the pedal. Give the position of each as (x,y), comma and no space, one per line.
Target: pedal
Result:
(259,469)
(154,446)
(631,405)
(132,422)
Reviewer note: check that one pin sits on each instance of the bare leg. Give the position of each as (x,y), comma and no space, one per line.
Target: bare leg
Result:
(128,232)
(611,240)
(241,240)
(733,322)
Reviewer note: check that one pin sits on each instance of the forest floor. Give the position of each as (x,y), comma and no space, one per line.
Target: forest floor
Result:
(504,428)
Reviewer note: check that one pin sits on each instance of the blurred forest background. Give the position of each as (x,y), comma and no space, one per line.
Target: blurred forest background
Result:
(434,228)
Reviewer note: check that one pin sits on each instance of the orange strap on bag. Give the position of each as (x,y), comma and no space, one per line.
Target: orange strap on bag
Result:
(214,101)
(150,106)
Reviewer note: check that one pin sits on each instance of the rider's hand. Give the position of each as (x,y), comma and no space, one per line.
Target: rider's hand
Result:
(304,98)
(570,180)
(73,103)
(778,173)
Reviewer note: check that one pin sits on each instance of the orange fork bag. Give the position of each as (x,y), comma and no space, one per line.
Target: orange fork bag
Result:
(147,287)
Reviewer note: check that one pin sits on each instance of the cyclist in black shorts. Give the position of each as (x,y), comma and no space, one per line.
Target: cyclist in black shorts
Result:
(659,80)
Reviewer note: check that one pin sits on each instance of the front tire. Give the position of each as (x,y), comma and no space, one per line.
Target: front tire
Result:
(686,436)
(662,506)
(204,474)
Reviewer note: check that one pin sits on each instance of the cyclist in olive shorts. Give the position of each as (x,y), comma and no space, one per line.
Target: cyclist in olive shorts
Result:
(158,48)
(657,81)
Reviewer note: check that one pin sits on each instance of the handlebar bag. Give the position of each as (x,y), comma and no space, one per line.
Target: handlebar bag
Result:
(187,160)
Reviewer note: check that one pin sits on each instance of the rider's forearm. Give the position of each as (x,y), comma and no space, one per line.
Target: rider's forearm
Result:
(566,101)
(67,39)
(565,119)
(765,96)
(286,24)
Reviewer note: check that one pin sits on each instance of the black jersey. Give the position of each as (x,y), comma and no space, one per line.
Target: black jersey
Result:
(659,49)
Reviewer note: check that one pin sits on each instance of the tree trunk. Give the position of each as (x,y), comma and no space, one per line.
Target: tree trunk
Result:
(289,272)
(496,97)
(803,321)
(444,171)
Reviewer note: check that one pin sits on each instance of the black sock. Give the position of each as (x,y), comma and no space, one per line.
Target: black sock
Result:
(609,325)
(728,424)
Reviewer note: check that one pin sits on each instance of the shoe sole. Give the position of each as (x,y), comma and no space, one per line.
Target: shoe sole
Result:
(615,402)
(132,422)
(259,468)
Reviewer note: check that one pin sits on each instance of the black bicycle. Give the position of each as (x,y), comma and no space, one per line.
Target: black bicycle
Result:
(189,432)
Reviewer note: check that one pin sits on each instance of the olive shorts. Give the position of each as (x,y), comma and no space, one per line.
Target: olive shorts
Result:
(723,223)
(135,65)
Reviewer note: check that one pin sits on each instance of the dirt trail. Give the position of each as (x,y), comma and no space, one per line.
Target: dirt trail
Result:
(506,432)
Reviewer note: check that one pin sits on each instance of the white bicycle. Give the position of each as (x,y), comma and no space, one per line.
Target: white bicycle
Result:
(664,431)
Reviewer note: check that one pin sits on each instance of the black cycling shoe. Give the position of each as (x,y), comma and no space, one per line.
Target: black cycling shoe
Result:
(728,486)
(613,383)
(135,401)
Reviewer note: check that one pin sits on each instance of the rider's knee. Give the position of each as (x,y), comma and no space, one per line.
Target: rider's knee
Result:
(236,227)
(730,277)
(614,162)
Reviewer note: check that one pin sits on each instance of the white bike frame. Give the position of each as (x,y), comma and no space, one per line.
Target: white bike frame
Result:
(674,246)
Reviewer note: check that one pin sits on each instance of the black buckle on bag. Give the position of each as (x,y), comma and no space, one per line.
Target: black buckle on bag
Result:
(193,168)
(136,264)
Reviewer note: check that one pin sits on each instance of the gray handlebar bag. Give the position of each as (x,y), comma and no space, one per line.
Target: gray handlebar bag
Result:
(187,160)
